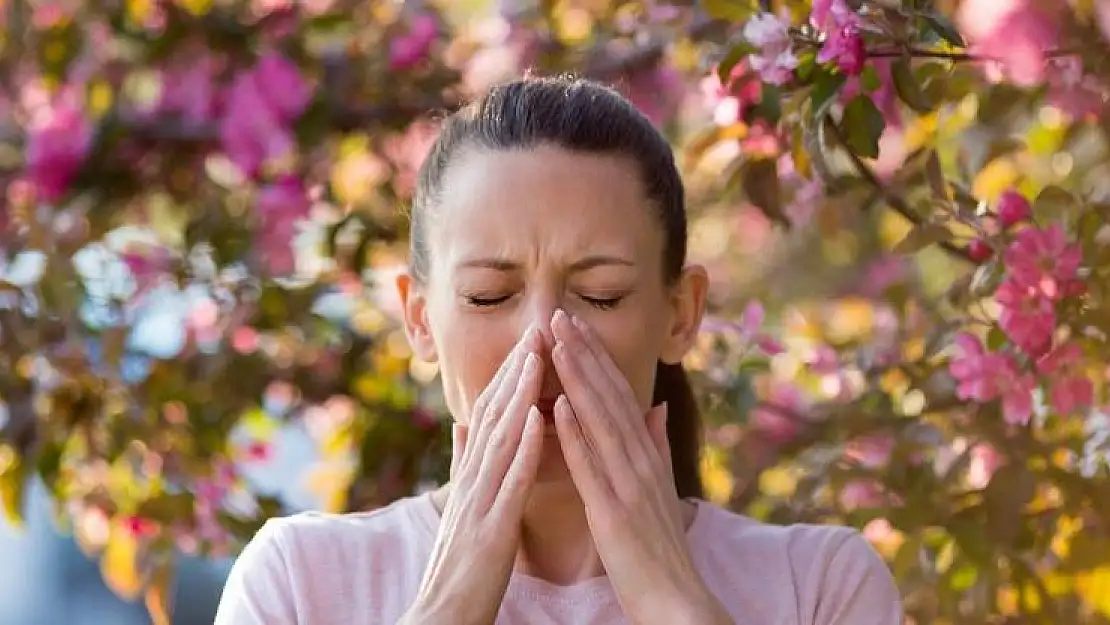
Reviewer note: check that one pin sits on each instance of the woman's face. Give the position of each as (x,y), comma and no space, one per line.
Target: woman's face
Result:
(518,235)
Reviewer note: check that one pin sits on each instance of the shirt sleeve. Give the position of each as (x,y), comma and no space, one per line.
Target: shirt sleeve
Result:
(857,588)
(258,589)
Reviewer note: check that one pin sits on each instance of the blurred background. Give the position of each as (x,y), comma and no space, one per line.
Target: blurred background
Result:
(902,205)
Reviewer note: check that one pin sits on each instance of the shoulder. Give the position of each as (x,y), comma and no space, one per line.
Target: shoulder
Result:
(331,564)
(836,576)
(314,536)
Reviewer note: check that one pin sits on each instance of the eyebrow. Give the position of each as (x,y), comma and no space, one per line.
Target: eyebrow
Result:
(582,264)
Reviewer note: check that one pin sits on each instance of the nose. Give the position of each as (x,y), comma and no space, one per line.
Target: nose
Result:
(539,313)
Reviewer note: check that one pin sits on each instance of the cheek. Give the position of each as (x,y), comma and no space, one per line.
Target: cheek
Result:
(471,350)
(635,342)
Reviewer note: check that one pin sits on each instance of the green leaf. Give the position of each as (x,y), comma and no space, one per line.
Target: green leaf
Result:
(944,27)
(826,84)
(863,125)
(1054,203)
(996,338)
(760,181)
(907,86)
(922,236)
(730,60)
(167,508)
(731,10)
(998,103)
(770,105)
(49,463)
(870,78)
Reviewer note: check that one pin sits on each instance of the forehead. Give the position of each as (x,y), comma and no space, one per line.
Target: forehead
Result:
(545,203)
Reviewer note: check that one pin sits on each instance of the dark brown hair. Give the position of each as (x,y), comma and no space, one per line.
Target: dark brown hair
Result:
(581,116)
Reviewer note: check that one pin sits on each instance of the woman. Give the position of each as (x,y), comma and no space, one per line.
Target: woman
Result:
(549,281)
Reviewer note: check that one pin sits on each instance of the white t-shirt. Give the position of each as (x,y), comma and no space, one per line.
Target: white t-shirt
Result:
(365,569)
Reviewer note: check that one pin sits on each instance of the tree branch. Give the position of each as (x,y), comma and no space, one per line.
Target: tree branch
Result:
(894,200)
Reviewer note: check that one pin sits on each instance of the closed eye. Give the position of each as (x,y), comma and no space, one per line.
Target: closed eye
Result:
(485,301)
(602,303)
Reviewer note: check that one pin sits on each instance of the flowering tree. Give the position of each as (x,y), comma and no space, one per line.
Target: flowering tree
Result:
(200,218)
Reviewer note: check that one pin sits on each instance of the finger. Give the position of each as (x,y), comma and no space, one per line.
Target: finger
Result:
(609,384)
(519,350)
(496,396)
(657,426)
(598,425)
(513,494)
(458,447)
(505,437)
(576,332)
(581,460)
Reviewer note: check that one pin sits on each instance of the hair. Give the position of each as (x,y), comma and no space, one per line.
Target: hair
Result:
(580,116)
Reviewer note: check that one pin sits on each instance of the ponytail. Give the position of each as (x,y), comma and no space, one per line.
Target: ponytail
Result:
(683,427)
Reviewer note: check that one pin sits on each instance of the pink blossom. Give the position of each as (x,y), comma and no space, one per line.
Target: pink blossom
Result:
(190,91)
(862,493)
(1078,95)
(1013,208)
(871,452)
(1043,259)
(843,40)
(282,86)
(1017,398)
(821,10)
(985,460)
(778,419)
(750,326)
(984,376)
(407,151)
(974,369)
(1028,318)
(56,149)
(728,101)
(656,93)
(1016,33)
(281,206)
(251,132)
(776,61)
(406,51)
(1070,388)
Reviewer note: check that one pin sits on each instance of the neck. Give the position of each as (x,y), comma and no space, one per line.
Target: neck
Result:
(556,544)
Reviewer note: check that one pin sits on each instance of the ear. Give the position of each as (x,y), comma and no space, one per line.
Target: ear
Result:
(688,299)
(414,306)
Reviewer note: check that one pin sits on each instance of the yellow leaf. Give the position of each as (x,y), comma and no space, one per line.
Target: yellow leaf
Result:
(12,482)
(995,178)
(259,424)
(196,7)
(1094,587)
(159,595)
(778,482)
(715,475)
(118,565)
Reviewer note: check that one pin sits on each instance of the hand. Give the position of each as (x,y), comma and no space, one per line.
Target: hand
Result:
(493,466)
(620,462)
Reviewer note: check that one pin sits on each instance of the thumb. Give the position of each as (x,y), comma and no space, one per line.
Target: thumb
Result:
(657,427)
